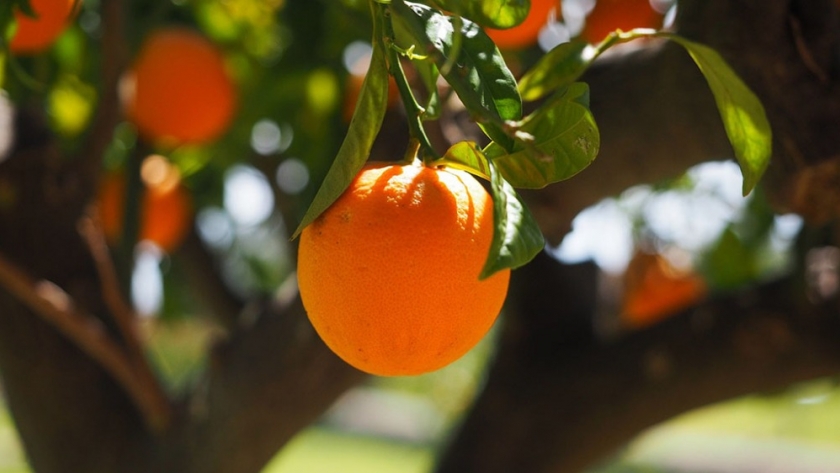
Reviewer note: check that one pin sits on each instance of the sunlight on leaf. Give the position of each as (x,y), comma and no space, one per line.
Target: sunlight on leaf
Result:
(517,238)
(567,140)
(558,68)
(743,115)
(489,13)
(364,126)
(479,74)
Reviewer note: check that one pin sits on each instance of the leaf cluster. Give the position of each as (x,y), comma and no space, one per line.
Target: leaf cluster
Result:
(559,138)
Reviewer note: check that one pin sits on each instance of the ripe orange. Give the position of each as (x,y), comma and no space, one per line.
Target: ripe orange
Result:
(35,35)
(655,290)
(178,90)
(610,15)
(389,273)
(525,34)
(165,211)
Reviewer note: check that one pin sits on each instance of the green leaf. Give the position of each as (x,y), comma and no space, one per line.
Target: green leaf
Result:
(566,140)
(466,155)
(729,264)
(743,115)
(489,13)
(470,62)
(517,237)
(364,126)
(558,68)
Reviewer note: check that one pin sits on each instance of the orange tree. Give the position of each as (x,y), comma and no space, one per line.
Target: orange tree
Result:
(78,374)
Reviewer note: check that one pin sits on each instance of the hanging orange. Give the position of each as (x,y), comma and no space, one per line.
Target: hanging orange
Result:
(610,15)
(389,273)
(655,289)
(165,211)
(179,90)
(35,35)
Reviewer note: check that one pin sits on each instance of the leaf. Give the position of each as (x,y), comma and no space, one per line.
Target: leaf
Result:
(743,115)
(729,263)
(489,13)
(476,70)
(364,126)
(558,68)
(466,155)
(517,237)
(566,138)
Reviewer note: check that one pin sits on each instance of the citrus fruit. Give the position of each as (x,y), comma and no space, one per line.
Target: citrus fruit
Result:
(389,274)
(178,90)
(610,15)
(655,289)
(165,211)
(34,35)
(526,33)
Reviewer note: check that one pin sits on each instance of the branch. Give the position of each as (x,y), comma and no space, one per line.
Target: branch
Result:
(108,113)
(205,282)
(125,319)
(570,398)
(270,378)
(55,306)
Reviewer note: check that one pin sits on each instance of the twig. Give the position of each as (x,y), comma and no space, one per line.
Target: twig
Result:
(55,306)
(124,316)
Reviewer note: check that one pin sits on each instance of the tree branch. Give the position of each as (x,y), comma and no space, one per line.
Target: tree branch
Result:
(57,308)
(570,398)
(271,378)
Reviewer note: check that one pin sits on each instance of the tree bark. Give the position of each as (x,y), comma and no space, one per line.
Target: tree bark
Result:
(560,398)
(269,378)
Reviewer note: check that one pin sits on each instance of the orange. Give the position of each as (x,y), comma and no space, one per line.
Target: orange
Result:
(389,273)
(178,90)
(165,211)
(655,290)
(610,15)
(525,34)
(35,35)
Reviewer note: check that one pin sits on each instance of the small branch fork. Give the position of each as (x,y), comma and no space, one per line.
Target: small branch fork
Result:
(126,364)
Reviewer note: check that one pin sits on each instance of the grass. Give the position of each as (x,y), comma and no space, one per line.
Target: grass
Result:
(11,456)
(319,450)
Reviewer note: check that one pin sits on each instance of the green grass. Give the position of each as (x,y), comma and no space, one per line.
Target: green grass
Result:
(319,450)
(11,456)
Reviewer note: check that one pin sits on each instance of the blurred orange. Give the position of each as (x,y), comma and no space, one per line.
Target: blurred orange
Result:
(178,90)
(35,35)
(165,211)
(525,34)
(654,290)
(610,15)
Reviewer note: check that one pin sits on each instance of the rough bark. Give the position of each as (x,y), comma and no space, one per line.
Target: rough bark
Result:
(268,379)
(559,398)
(569,399)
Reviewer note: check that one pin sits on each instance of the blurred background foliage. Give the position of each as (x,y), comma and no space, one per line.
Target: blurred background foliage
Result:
(293,63)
